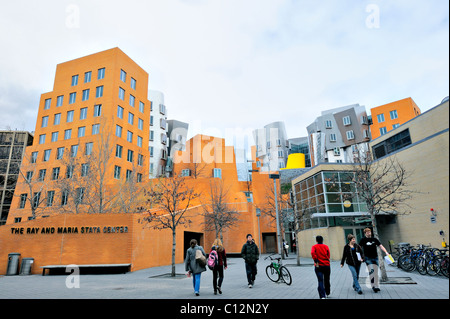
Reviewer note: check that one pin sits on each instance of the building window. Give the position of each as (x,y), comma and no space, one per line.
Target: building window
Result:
(152,134)
(130,156)
(50,197)
(395,125)
(69,116)
(280,154)
(383,130)
(97,110)
(85,96)
(162,109)
(364,120)
(69,171)
(337,151)
(393,114)
(346,120)
(185,172)
(328,124)
(123,76)
(217,173)
(120,112)
(121,94)
(350,135)
(118,131)
(392,144)
(42,173)
(130,118)
(95,129)
(29,176)
(60,153)
(87,77)
(141,107)
(67,134)
(119,149)
(380,118)
(139,141)
(88,148)
(42,139)
(64,197)
(74,80)
(332,137)
(84,169)
(151,120)
(83,113)
(99,91)
(47,104)
(140,124)
(117,170)
(130,136)
(128,175)
(132,99)
(366,134)
(73,150)
(101,74)
(162,123)
(34,156)
(55,136)
(47,155)
(60,100)
(23,200)
(139,178)
(44,122)
(57,119)
(150,149)
(55,173)
(140,160)
(133,83)
(72,97)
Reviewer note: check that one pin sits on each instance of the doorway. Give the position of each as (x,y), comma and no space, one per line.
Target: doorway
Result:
(188,235)
(269,242)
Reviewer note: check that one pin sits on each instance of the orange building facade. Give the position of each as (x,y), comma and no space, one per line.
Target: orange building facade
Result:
(99,106)
(388,116)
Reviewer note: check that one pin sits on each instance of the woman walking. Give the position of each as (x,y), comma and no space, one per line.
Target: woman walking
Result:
(353,256)
(193,267)
(220,265)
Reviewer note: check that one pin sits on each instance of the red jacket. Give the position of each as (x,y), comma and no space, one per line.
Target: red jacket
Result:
(321,253)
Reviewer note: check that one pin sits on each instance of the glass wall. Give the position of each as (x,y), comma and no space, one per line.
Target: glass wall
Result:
(328,192)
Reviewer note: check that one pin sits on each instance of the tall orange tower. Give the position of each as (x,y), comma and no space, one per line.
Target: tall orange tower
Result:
(389,116)
(98,104)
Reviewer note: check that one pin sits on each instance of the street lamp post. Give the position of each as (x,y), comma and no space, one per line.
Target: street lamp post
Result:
(258,214)
(275,177)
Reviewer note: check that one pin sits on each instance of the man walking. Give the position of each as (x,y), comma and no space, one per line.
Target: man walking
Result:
(320,253)
(250,253)
(369,245)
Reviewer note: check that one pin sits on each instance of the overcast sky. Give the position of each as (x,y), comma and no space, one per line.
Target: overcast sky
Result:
(230,65)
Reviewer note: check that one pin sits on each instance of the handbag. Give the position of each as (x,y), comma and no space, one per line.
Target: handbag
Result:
(201,260)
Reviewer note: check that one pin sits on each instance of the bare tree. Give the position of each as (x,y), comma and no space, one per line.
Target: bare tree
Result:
(218,212)
(36,185)
(383,186)
(174,198)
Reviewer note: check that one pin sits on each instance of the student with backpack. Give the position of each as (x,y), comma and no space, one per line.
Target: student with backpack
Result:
(217,261)
(195,264)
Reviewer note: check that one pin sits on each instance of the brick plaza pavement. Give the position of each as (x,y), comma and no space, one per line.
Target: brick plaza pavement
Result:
(152,283)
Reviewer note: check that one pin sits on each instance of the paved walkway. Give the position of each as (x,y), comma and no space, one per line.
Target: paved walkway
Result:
(152,283)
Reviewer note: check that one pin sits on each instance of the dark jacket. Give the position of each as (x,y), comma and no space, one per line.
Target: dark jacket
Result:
(250,252)
(190,263)
(350,257)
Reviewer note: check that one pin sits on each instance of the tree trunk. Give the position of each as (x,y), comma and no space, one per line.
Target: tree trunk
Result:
(384,276)
(174,243)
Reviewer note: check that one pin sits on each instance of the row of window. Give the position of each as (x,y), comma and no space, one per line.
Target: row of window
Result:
(88,76)
(393,115)
(217,172)
(346,120)
(349,134)
(73,97)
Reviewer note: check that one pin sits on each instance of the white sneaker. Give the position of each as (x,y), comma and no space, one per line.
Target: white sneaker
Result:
(249,285)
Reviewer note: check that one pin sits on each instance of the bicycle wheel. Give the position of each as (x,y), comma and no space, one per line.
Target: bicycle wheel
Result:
(421,265)
(433,266)
(406,263)
(272,273)
(285,275)
(444,266)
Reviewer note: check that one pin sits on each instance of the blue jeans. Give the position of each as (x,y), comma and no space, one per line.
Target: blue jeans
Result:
(196,282)
(355,274)
(323,277)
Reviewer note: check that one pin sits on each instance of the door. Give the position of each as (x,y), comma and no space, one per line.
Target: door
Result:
(269,242)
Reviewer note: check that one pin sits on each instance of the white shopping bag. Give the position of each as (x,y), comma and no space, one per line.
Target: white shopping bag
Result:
(388,259)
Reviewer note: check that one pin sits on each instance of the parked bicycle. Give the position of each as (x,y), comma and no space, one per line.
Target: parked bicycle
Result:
(276,271)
